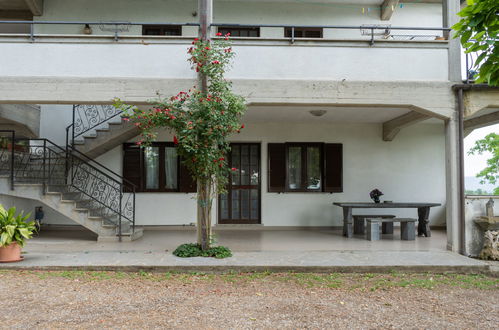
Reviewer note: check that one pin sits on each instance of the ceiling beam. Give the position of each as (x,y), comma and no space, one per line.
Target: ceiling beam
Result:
(36,6)
(481,121)
(392,127)
(388,8)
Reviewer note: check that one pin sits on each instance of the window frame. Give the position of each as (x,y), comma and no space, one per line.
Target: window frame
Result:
(304,165)
(162,29)
(161,175)
(303,30)
(221,29)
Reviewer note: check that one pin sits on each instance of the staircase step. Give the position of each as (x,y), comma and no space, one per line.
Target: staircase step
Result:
(126,237)
(116,123)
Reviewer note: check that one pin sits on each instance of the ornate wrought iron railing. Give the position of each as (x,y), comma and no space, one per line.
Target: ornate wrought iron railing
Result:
(87,117)
(42,161)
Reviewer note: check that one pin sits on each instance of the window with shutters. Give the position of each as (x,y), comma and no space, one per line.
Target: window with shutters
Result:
(156,168)
(305,167)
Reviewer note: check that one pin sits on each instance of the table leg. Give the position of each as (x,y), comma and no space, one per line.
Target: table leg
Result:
(347,222)
(423,222)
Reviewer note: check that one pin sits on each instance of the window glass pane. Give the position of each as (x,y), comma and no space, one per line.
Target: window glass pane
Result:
(151,155)
(171,168)
(235,164)
(224,205)
(235,204)
(254,165)
(245,172)
(294,167)
(245,204)
(254,204)
(313,168)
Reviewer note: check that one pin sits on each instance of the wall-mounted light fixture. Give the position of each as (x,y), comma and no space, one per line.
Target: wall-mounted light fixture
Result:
(317,113)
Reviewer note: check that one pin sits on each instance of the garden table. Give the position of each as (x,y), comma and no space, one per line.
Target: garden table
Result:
(423,214)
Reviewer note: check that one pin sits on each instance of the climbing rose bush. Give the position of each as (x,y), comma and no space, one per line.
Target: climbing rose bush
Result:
(201,120)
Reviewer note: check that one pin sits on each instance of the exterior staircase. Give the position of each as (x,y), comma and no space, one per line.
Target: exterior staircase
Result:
(96,129)
(71,184)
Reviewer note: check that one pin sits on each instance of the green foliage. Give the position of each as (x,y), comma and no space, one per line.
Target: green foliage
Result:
(478,31)
(14,228)
(201,120)
(478,192)
(490,174)
(189,250)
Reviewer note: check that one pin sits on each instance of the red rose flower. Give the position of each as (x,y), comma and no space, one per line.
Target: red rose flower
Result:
(175,140)
(218,34)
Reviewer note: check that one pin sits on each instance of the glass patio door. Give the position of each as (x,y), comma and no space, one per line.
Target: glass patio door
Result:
(241,203)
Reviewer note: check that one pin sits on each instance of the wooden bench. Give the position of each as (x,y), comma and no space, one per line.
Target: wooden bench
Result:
(407,228)
(359,223)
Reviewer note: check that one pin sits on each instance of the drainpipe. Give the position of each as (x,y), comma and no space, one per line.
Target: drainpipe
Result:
(462,220)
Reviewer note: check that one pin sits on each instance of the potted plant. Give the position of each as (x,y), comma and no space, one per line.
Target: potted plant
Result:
(14,231)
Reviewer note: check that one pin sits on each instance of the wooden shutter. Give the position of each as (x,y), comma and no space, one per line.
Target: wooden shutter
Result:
(333,167)
(277,167)
(132,166)
(186,182)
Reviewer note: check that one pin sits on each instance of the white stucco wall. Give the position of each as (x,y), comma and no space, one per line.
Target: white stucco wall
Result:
(251,62)
(136,58)
(237,12)
(410,168)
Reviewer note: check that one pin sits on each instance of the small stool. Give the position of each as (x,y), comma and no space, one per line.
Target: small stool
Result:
(372,232)
(407,229)
(359,223)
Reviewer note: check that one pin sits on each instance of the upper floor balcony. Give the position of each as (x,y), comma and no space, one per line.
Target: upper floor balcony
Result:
(369,40)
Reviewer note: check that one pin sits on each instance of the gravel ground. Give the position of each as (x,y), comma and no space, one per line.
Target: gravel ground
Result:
(136,301)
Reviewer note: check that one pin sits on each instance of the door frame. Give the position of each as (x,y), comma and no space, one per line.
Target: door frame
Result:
(259,189)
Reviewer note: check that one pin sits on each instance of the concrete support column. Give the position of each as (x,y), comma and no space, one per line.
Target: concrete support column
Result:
(450,8)
(452,170)
(453,137)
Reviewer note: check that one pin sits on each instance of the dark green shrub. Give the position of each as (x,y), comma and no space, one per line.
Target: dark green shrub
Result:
(190,250)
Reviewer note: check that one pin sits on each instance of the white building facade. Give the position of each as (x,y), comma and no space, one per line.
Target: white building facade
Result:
(371,78)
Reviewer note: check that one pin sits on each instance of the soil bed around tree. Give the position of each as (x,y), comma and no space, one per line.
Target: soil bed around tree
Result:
(73,299)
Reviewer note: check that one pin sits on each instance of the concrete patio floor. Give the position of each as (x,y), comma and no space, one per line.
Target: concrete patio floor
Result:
(317,250)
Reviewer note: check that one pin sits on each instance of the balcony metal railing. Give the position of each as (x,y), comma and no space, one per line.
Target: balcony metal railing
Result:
(371,31)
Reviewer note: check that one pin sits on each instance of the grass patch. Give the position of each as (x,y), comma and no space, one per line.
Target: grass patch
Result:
(361,282)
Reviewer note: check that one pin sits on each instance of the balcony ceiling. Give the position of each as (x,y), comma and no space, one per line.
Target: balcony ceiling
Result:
(334,114)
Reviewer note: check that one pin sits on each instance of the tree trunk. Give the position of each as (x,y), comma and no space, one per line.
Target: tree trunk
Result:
(204,213)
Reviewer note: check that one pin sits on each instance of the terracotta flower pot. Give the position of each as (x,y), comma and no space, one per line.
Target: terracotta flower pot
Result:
(10,253)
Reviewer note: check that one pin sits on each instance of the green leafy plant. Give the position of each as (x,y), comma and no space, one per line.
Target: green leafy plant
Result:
(478,30)
(201,119)
(189,250)
(489,174)
(14,228)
